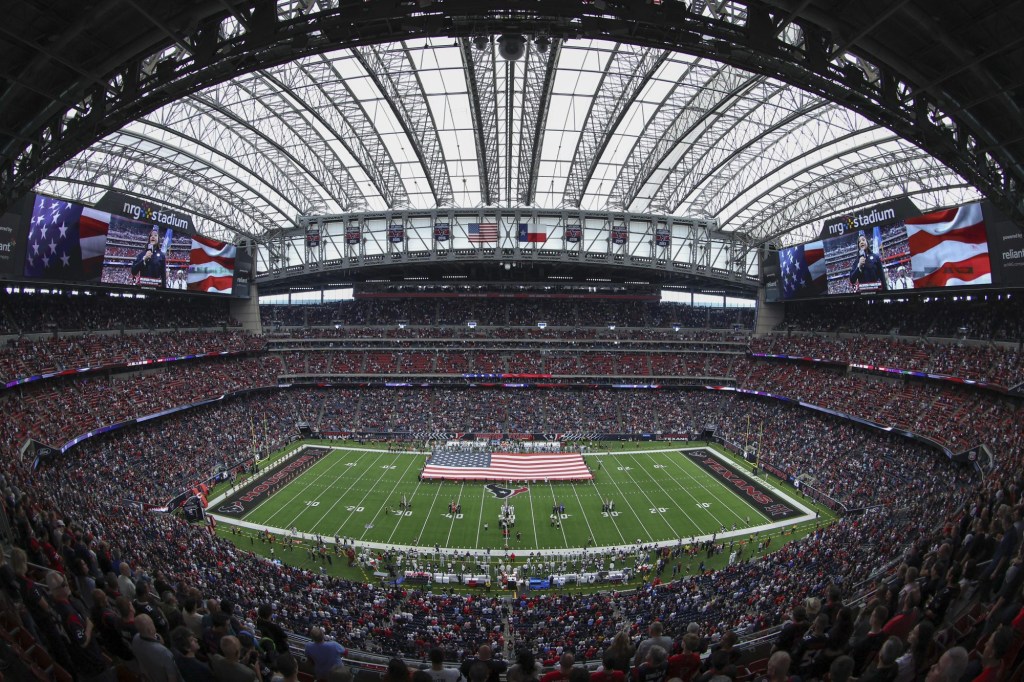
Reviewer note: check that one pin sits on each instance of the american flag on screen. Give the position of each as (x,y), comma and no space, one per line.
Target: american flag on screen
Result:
(506,466)
(802,267)
(949,248)
(483,233)
(211,265)
(66,240)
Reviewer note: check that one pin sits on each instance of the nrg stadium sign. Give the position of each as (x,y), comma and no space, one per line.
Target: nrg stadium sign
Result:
(145,211)
(883,214)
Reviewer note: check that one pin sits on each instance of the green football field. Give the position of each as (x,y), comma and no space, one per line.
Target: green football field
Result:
(660,495)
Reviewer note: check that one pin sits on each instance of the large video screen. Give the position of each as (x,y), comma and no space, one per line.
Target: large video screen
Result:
(939,249)
(72,242)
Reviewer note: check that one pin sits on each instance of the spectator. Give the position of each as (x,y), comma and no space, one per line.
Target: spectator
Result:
(228,668)
(185,646)
(325,654)
(657,638)
(84,648)
(156,662)
(439,673)
(561,674)
(654,666)
(483,655)
(287,668)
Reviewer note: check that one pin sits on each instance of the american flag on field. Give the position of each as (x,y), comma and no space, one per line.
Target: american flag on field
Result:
(949,248)
(802,267)
(506,466)
(211,265)
(483,233)
(65,240)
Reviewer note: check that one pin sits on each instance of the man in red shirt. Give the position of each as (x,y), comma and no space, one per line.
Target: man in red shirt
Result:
(683,666)
(561,673)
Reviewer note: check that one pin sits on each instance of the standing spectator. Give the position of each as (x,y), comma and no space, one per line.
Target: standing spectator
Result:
(268,628)
(657,638)
(619,654)
(685,665)
(483,655)
(185,645)
(778,668)
(654,667)
(950,667)
(287,668)
(561,673)
(125,585)
(84,649)
(324,654)
(228,667)
(438,672)
(156,662)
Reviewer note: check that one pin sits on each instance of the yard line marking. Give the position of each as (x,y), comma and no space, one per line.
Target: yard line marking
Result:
(329,488)
(676,461)
(700,530)
(312,484)
(632,508)
(560,526)
(533,520)
(373,489)
(614,522)
(671,528)
(584,514)
(451,526)
(426,520)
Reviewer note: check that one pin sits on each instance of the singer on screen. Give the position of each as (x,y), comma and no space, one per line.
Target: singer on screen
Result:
(867,272)
(151,263)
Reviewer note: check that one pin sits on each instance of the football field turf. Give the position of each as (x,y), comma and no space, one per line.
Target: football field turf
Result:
(660,495)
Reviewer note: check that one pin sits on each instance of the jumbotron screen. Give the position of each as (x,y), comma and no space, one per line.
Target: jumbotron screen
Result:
(947,248)
(71,242)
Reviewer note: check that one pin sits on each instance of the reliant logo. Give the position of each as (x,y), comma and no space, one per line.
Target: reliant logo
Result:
(850,223)
(154,215)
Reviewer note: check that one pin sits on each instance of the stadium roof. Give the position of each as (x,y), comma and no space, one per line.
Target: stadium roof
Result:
(765,117)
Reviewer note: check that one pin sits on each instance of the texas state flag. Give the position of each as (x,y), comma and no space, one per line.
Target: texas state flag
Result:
(532,233)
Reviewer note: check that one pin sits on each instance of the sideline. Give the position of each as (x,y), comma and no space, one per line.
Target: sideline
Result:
(808,515)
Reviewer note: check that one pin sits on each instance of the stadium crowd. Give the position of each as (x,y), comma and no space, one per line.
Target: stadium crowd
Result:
(927,536)
(503,312)
(998,317)
(27,357)
(69,516)
(29,313)
(1000,365)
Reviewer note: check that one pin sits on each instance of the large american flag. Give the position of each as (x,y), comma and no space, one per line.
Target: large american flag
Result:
(66,240)
(949,248)
(506,466)
(802,268)
(211,265)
